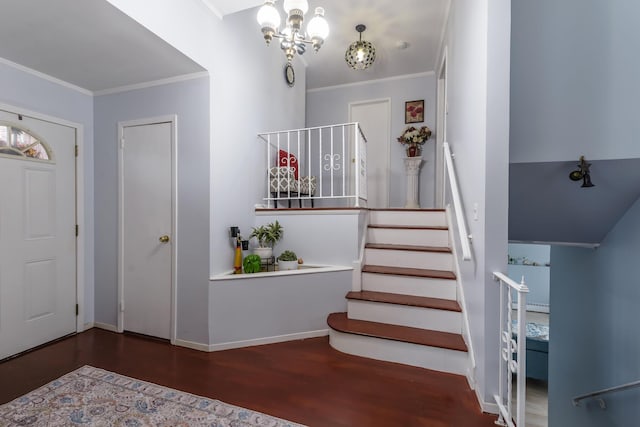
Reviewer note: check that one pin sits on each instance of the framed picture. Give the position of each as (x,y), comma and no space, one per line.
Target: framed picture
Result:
(414,111)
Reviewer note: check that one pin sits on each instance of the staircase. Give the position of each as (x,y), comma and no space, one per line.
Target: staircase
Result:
(407,311)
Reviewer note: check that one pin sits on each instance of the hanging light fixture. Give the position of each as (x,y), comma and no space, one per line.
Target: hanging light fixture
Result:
(292,39)
(360,54)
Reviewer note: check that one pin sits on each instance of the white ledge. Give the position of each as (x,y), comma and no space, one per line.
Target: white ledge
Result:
(264,211)
(304,269)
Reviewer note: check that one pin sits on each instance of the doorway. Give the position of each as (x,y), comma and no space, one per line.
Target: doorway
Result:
(147,252)
(38,254)
(374,118)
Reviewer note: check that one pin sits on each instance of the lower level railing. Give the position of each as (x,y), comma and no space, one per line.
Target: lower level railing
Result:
(598,395)
(318,163)
(513,355)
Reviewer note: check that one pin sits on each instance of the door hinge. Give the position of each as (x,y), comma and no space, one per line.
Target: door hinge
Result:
(77,309)
(121,142)
(77,150)
(77,230)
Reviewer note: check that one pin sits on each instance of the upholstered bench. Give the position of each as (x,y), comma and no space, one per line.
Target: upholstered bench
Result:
(283,183)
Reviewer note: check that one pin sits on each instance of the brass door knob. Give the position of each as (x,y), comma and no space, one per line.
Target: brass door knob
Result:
(164,239)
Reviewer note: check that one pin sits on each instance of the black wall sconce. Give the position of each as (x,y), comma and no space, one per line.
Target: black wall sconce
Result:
(582,173)
(234,234)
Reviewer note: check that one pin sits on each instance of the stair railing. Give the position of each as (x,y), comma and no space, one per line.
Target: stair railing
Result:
(513,354)
(461,223)
(597,394)
(316,163)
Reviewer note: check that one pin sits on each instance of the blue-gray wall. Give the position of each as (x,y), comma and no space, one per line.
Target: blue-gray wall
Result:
(25,90)
(329,106)
(536,276)
(189,100)
(596,295)
(574,75)
(618,296)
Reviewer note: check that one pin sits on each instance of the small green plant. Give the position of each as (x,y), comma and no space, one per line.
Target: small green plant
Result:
(288,256)
(252,264)
(267,235)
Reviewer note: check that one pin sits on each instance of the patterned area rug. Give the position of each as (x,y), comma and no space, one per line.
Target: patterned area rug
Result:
(93,397)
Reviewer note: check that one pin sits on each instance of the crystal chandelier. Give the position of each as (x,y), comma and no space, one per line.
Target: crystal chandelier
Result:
(292,39)
(360,54)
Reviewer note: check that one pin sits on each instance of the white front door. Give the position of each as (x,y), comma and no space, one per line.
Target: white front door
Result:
(146,231)
(37,232)
(374,117)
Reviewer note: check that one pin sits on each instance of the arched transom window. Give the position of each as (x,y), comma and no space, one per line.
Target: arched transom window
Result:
(15,141)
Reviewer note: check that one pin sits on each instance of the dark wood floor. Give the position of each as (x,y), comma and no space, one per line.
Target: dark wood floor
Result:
(303,381)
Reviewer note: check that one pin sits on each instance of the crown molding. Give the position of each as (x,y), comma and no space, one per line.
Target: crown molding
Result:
(153,83)
(367,82)
(213,8)
(46,77)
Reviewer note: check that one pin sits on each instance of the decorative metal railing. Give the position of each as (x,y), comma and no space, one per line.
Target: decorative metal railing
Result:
(317,163)
(513,355)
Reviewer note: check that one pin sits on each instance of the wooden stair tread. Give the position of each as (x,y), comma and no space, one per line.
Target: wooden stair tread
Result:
(416,248)
(404,271)
(407,300)
(340,322)
(409,227)
(405,210)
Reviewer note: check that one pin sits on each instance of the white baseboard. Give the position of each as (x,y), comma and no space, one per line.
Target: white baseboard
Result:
(87,326)
(105,326)
(487,407)
(191,344)
(268,340)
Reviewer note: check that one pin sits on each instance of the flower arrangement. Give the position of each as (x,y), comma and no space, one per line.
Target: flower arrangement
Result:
(413,135)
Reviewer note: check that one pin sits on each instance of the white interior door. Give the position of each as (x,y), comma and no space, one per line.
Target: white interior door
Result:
(374,119)
(37,232)
(146,228)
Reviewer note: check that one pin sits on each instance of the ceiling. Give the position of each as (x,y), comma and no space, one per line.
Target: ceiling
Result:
(545,206)
(95,47)
(419,23)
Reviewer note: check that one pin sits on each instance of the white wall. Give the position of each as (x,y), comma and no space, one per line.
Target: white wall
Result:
(268,307)
(575,80)
(245,308)
(319,238)
(189,100)
(477,46)
(330,105)
(248,95)
(25,90)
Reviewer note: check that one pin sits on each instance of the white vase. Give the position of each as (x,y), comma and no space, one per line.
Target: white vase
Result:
(263,253)
(287,265)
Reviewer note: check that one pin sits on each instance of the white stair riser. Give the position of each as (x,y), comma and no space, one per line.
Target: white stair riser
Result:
(424,218)
(402,315)
(438,359)
(409,259)
(408,237)
(408,285)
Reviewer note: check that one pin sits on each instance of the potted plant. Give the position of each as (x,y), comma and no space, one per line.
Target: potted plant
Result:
(252,264)
(414,138)
(267,236)
(288,260)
